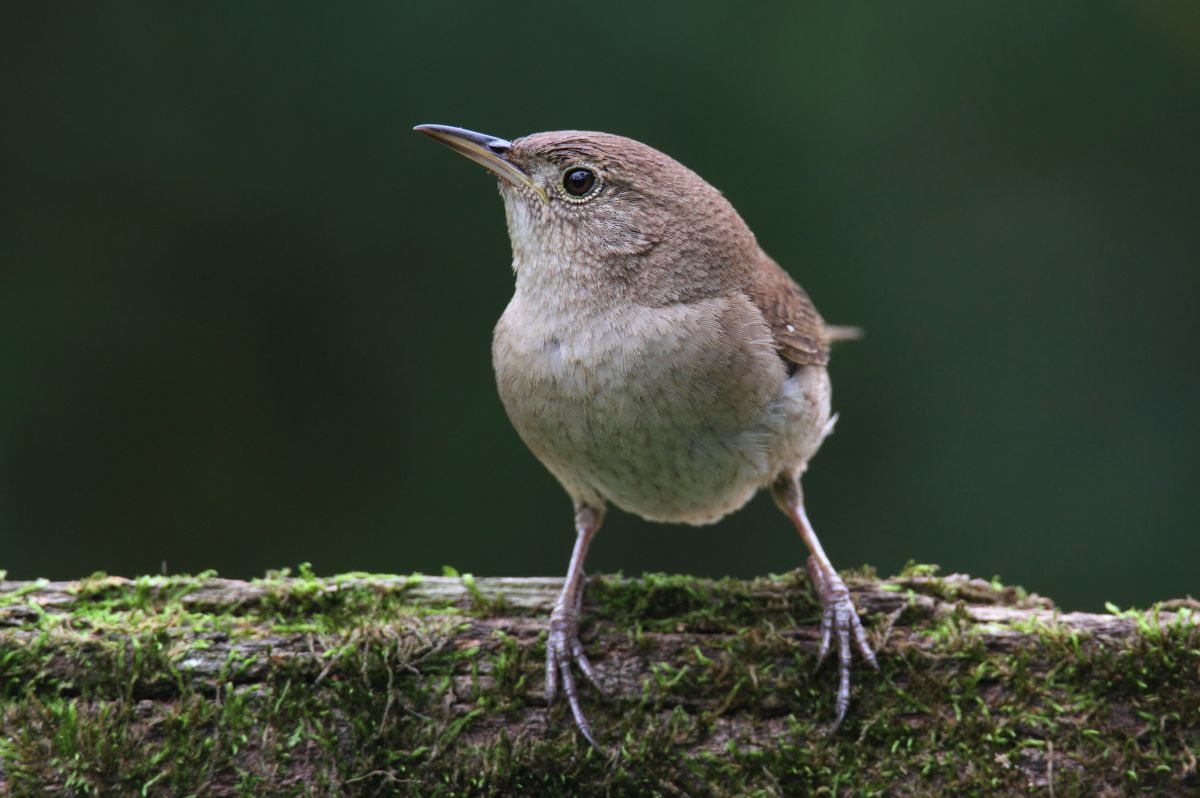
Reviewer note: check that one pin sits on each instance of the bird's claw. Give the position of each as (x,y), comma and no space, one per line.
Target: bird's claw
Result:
(839,615)
(562,649)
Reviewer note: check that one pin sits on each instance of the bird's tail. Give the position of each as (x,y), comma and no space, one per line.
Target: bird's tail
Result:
(835,333)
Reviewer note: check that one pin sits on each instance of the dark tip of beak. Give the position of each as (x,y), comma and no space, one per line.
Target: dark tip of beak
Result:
(491,152)
(444,133)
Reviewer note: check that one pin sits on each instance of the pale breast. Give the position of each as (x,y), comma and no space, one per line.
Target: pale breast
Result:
(677,413)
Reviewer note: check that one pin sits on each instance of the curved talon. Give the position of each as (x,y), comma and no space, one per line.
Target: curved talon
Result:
(563,648)
(839,614)
(581,660)
(562,643)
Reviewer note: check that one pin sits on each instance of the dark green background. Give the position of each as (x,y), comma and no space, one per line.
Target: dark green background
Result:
(245,313)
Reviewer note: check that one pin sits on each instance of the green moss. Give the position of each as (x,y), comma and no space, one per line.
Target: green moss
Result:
(104,697)
(666,602)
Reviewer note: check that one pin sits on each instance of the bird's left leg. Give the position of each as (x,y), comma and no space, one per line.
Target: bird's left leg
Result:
(562,643)
(838,612)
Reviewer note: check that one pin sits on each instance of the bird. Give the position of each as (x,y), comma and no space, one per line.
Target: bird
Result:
(653,357)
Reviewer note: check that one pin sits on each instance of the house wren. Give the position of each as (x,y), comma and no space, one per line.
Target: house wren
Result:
(653,356)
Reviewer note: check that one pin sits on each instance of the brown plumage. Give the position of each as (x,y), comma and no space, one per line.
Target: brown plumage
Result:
(799,332)
(713,254)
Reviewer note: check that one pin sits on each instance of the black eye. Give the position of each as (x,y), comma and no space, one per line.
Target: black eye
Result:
(578,182)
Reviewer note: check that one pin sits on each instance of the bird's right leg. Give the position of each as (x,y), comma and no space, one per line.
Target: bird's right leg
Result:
(562,643)
(838,612)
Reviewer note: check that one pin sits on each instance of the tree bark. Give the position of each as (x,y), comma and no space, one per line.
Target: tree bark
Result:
(371,684)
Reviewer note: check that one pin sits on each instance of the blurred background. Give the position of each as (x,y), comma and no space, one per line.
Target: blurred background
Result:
(245,313)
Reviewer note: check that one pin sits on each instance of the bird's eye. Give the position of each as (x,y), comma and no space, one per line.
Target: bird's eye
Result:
(579,182)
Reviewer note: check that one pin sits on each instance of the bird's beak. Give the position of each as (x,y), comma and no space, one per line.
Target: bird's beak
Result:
(487,151)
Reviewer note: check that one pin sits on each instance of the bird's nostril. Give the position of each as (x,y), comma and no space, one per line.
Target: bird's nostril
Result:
(498,146)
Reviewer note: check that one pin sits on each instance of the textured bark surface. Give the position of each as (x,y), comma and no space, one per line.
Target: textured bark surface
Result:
(371,684)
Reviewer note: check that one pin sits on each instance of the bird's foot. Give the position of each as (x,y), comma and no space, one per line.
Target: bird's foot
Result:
(562,649)
(840,616)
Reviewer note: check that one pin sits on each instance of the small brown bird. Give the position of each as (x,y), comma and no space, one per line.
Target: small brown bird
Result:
(653,356)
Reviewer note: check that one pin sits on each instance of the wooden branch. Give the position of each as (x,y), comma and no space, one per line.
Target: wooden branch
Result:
(370,684)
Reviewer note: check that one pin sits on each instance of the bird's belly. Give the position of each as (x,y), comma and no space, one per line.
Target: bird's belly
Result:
(663,420)
(675,473)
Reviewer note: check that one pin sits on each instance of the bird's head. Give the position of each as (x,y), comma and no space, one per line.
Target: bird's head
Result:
(608,207)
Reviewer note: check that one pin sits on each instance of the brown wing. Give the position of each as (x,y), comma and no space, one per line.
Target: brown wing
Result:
(798,329)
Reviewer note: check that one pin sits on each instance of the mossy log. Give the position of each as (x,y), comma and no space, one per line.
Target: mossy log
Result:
(392,685)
